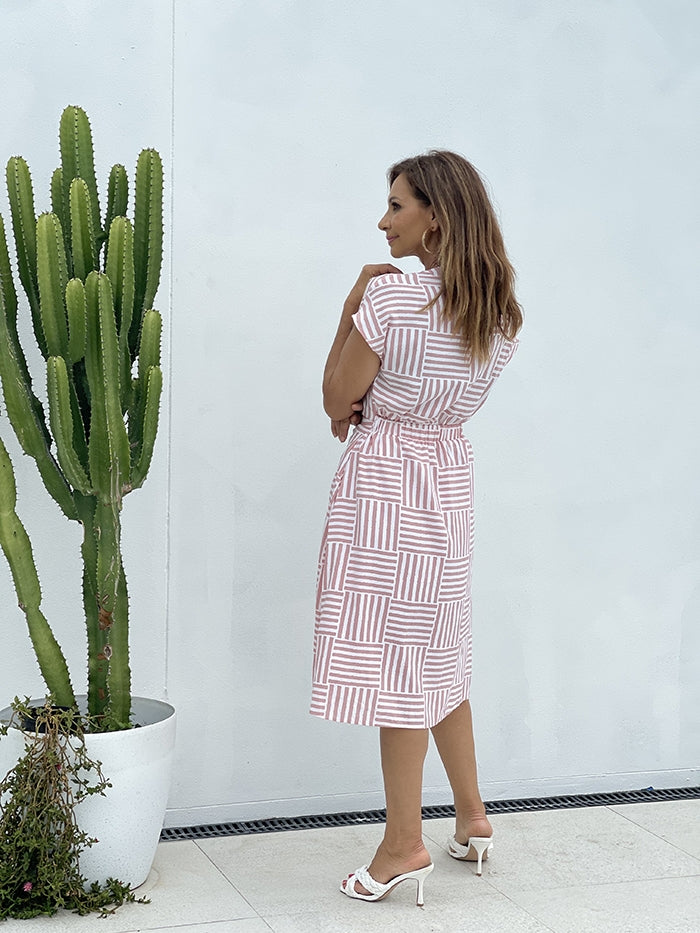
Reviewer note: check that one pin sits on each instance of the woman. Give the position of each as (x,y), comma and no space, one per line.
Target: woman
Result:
(392,645)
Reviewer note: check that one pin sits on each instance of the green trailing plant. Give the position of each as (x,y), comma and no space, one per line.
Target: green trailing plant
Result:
(40,842)
(90,280)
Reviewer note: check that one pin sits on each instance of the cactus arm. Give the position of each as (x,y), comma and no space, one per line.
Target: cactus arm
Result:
(148,237)
(60,210)
(61,420)
(120,270)
(57,205)
(77,160)
(76,306)
(99,458)
(8,302)
(149,427)
(18,551)
(8,294)
(149,356)
(21,194)
(109,444)
(82,232)
(23,408)
(149,349)
(53,278)
(120,458)
(30,430)
(117,197)
(8,307)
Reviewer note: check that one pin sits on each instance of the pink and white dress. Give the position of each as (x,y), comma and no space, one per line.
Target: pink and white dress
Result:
(392,640)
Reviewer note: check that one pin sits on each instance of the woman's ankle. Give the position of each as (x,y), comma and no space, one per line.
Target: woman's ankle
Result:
(474,823)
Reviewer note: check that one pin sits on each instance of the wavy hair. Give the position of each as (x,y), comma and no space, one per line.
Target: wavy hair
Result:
(477,277)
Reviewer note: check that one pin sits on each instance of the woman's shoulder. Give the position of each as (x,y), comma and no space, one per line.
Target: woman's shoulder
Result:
(398,283)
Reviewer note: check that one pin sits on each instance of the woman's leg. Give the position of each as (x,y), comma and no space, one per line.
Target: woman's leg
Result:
(401,850)
(454,737)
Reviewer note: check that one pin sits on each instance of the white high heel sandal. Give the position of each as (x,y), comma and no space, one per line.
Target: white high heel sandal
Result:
(379,890)
(482,845)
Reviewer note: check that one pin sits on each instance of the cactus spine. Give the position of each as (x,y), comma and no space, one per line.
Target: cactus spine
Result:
(90,289)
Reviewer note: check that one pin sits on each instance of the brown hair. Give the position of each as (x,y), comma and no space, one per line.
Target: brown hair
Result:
(477,277)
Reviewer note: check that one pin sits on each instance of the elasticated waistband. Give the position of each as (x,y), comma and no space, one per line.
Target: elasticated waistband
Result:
(418,429)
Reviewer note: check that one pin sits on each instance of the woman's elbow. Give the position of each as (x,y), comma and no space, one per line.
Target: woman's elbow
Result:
(335,407)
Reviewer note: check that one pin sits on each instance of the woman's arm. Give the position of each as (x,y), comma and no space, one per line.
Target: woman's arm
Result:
(351,365)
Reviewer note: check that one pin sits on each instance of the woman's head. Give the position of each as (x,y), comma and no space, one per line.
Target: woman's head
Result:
(409,223)
(463,236)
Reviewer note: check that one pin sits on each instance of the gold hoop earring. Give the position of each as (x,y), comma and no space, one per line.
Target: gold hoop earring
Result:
(422,239)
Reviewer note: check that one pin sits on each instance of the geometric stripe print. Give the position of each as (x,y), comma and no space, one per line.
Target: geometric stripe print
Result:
(411,623)
(377,524)
(455,487)
(423,531)
(405,350)
(418,577)
(402,669)
(349,704)
(420,481)
(448,630)
(379,478)
(358,668)
(460,532)
(437,396)
(406,709)
(445,358)
(371,571)
(363,617)
(397,391)
(334,566)
(342,528)
(392,643)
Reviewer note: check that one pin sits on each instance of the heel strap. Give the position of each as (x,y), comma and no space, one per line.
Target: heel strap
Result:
(480,843)
(367,881)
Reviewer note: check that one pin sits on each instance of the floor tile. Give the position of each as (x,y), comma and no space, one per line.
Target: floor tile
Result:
(274,871)
(489,912)
(249,925)
(676,821)
(561,848)
(184,887)
(306,897)
(667,905)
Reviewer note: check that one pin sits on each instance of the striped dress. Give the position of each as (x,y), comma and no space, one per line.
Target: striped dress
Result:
(392,640)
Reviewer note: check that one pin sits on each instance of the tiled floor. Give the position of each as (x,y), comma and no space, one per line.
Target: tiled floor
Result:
(633,868)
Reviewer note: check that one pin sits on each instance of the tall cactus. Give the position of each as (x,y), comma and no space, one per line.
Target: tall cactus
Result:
(90,287)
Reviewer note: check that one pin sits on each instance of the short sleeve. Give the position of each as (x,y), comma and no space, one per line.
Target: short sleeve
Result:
(502,353)
(371,321)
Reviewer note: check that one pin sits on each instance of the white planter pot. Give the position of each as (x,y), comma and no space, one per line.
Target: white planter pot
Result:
(127,821)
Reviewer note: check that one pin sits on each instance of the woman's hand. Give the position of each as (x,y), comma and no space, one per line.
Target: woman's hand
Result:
(340,428)
(368,272)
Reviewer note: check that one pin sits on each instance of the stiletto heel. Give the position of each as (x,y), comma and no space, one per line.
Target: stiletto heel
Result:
(482,845)
(378,890)
(419,888)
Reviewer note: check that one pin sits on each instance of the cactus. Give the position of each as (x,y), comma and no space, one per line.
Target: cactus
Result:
(90,290)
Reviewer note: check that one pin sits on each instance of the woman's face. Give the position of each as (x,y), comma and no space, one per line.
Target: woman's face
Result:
(405,222)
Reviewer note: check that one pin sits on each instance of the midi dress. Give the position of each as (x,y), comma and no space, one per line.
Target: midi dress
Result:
(392,636)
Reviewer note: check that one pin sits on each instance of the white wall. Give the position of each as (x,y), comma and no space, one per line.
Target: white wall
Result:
(278,120)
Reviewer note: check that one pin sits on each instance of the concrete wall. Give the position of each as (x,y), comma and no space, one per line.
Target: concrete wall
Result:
(277,121)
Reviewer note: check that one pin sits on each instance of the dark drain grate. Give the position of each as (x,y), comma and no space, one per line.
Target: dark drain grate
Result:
(360,817)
